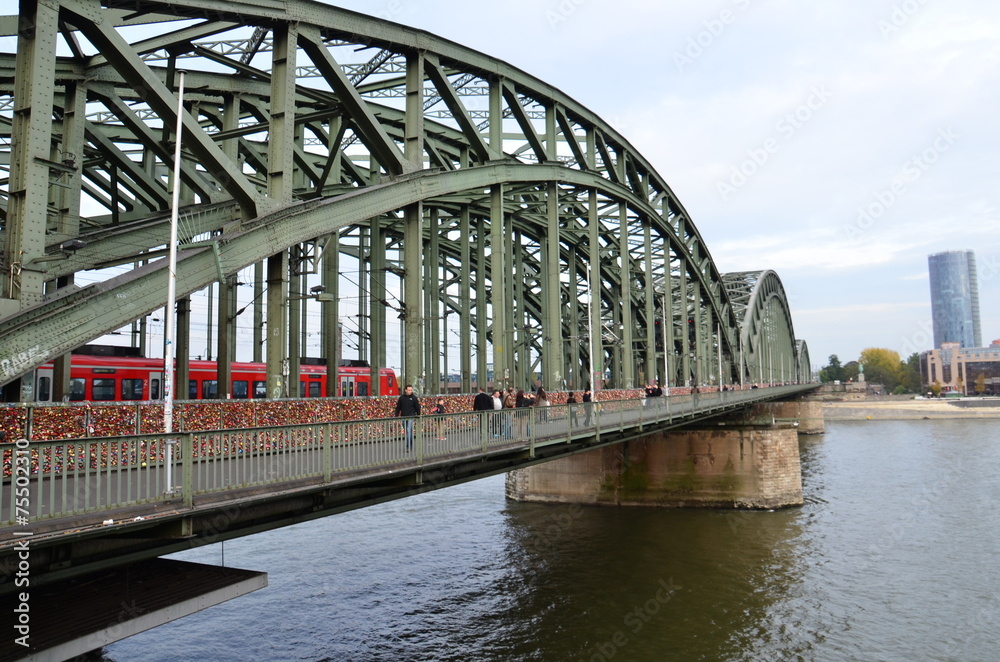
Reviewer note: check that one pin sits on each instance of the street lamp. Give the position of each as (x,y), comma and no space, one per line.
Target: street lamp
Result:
(168,330)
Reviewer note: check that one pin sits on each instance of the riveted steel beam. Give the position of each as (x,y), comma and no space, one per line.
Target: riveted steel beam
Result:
(87,16)
(31,138)
(371,131)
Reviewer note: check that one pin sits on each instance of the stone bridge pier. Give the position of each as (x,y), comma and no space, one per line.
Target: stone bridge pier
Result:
(750,461)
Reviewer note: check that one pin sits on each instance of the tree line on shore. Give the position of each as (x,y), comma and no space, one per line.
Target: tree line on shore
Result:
(884,366)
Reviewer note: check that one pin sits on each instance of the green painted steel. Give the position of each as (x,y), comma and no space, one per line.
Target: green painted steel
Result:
(478,192)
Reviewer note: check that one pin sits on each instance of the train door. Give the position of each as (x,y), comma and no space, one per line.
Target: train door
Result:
(155,385)
(43,384)
(347,386)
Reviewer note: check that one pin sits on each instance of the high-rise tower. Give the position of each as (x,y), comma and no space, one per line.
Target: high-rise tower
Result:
(955,298)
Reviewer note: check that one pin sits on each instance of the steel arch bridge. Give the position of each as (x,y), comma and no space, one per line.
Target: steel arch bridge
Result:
(332,154)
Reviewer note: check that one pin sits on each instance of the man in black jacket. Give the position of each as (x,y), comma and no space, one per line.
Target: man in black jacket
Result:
(408,406)
(483,402)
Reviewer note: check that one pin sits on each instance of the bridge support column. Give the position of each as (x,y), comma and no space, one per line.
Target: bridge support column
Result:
(804,412)
(731,466)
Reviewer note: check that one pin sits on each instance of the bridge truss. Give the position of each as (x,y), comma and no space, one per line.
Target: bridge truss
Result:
(334,154)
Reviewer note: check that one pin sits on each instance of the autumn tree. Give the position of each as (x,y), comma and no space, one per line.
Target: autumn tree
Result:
(882,366)
(980,384)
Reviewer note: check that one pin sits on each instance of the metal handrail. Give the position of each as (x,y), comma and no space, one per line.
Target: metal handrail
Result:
(50,479)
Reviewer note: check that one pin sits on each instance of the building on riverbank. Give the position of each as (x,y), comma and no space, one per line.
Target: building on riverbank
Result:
(954,298)
(957,369)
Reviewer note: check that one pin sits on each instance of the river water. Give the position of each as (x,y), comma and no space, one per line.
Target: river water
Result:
(894,556)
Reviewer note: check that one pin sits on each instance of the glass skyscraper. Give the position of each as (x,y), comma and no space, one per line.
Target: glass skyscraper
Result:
(955,298)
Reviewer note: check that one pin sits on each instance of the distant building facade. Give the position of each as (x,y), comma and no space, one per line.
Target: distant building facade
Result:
(957,369)
(955,298)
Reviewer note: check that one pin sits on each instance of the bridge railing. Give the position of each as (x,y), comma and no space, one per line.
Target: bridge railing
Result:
(52,479)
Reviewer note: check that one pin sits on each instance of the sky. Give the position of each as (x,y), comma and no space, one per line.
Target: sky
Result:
(838,144)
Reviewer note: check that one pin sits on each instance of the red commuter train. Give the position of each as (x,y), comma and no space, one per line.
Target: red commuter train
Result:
(123,378)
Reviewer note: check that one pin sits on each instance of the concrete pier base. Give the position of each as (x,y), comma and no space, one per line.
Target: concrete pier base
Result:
(723,466)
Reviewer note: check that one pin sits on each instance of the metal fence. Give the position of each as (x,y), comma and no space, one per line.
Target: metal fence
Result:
(52,479)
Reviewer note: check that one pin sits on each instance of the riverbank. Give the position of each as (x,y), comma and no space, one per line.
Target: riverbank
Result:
(900,410)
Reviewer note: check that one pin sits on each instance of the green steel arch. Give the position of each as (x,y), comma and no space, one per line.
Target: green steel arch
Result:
(313,137)
(771,354)
(804,366)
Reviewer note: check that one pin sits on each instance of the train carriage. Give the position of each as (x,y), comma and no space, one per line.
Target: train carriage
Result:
(97,378)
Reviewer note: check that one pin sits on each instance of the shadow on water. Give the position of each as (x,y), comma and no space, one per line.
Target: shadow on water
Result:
(644,584)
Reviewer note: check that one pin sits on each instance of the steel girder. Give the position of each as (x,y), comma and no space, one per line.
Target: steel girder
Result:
(804,364)
(771,353)
(504,217)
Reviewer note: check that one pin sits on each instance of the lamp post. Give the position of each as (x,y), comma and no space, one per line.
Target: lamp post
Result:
(666,351)
(168,331)
(718,335)
(594,387)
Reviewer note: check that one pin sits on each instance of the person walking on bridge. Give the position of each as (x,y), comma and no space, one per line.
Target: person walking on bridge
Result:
(542,400)
(408,406)
(509,402)
(497,423)
(439,410)
(483,402)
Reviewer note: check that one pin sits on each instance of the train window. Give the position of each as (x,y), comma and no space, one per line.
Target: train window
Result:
(260,389)
(192,389)
(389,380)
(315,389)
(210,389)
(77,389)
(154,389)
(362,389)
(302,389)
(240,389)
(104,389)
(44,389)
(132,389)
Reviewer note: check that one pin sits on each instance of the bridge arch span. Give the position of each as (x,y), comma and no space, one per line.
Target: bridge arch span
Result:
(340,153)
(771,352)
